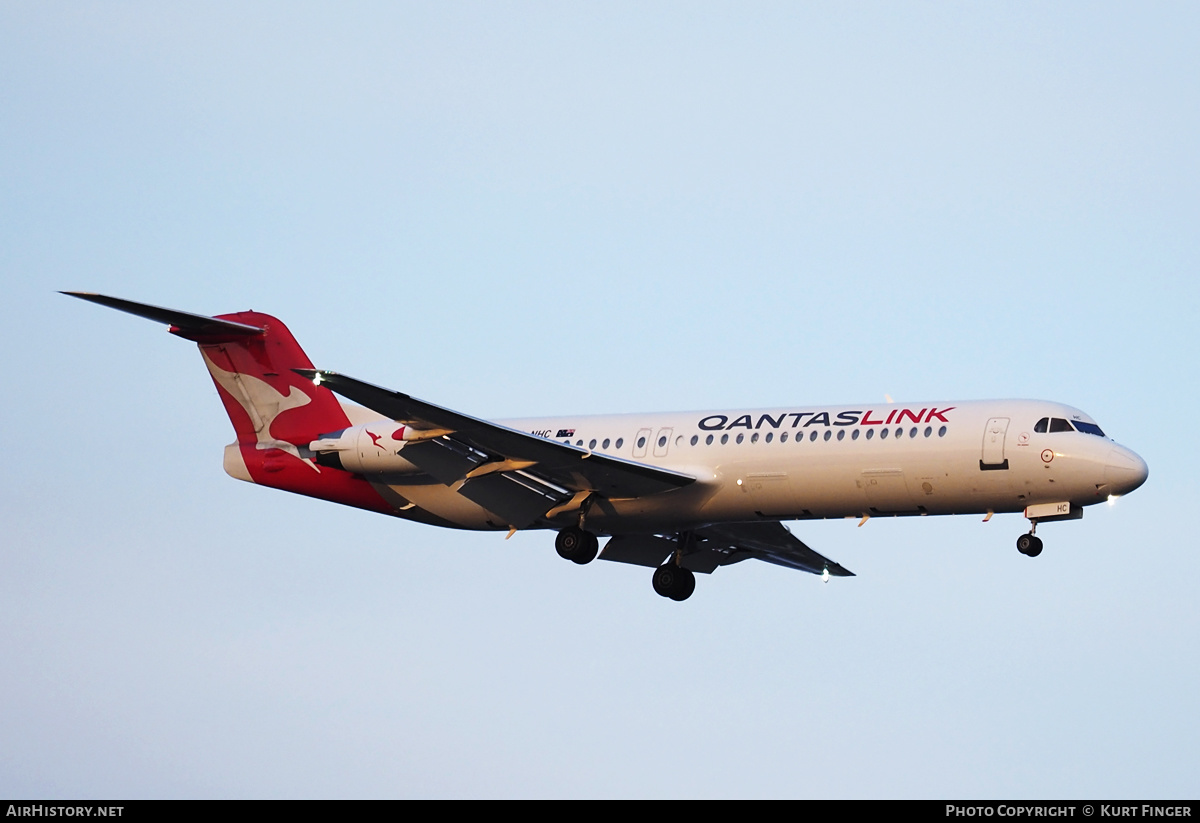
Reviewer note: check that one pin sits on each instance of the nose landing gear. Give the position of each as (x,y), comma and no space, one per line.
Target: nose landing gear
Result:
(1029,545)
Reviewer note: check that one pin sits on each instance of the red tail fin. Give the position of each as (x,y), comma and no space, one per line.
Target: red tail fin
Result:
(275,412)
(267,402)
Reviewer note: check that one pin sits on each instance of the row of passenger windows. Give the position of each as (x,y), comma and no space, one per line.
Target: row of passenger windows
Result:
(604,444)
(1057,424)
(1046,424)
(914,432)
(884,433)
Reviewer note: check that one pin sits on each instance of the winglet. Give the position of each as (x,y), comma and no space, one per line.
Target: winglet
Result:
(194,327)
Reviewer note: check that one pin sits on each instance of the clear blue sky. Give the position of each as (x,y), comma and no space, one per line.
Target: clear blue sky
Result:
(522,209)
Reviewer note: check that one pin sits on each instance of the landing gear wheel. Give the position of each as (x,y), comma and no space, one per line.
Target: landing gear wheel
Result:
(1029,545)
(577,545)
(674,581)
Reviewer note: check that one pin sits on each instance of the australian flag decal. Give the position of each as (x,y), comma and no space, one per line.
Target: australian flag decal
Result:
(565,433)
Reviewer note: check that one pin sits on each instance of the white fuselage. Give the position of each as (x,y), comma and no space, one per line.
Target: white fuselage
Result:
(810,462)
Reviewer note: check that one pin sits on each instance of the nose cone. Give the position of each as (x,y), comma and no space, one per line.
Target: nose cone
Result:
(1124,471)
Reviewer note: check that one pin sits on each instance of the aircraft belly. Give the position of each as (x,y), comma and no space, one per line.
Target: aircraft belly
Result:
(446,504)
(770,494)
(885,491)
(828,491)
(666,512)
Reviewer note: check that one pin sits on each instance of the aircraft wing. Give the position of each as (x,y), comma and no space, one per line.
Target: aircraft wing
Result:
(721,545)
(769,541)
(517,475)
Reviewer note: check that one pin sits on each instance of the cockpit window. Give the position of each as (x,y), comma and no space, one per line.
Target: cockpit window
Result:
(1057,424)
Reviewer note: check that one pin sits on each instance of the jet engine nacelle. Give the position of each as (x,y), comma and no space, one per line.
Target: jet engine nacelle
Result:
(374,448)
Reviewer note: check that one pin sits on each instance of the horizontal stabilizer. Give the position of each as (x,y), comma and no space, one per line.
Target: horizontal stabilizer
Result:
(195,327)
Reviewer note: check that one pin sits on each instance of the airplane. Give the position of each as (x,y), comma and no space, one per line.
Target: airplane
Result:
(682,493)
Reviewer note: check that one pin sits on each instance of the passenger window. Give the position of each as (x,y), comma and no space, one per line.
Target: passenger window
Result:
(883,433)
(741,437)
(870,433)
(854,434)
(942,431)
(604,445)
(592,444)
(768,437)
(695,439)
(812,436)
(782,437)
(641,443)
(724,439)
(828,434)
(620,442)
(841,434)
(708,440)
(928,430)
(754,437)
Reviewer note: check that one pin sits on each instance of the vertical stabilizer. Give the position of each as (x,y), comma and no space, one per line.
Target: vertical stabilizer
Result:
(275,412)
(267,402)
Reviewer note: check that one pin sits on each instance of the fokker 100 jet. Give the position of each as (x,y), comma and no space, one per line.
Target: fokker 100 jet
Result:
(680,493)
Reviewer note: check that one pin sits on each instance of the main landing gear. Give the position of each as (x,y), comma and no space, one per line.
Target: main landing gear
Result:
(577,545)
(670,579)
(674,581)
